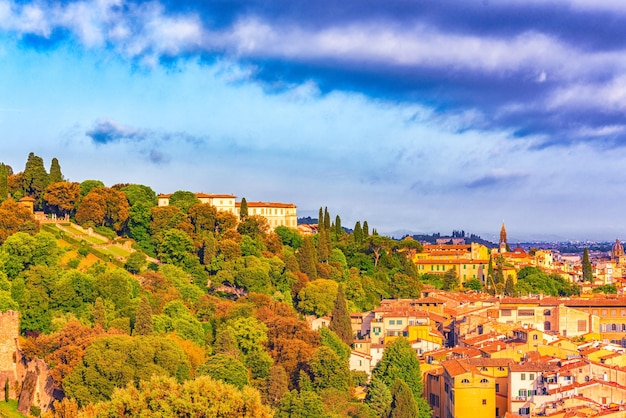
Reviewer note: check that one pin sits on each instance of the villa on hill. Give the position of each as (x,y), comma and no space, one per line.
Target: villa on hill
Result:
(276,213)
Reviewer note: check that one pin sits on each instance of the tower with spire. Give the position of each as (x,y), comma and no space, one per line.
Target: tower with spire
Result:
(504,245)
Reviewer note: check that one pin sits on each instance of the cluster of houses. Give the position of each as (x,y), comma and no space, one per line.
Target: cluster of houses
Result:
(497,356)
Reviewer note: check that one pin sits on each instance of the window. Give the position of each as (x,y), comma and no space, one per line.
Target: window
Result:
(392,322)
(531,376)
(484,401)
(604,312)
(582,325)
(484,381)
(535,337)
(497,388)
(523,376)
(522,393)
(613,312)
(524,411)
(465,381)
(399,322)
(506,312)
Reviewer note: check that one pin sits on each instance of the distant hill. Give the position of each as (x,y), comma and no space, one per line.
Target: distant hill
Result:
(433,238)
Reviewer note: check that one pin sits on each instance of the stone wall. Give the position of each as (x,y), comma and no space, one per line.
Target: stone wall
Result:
(9,355)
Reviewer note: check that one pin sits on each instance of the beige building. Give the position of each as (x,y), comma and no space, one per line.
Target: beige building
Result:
(277,214)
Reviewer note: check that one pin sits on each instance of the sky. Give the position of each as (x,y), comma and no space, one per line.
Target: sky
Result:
(421,116)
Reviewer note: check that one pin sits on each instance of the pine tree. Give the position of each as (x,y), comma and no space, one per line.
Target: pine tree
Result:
(143,318)
(587,269)
(243,209)
(340,322)
(55,172)
(403,404)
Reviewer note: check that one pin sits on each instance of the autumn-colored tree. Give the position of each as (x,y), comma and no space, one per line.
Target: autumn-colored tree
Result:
(225,221)
(91,209)
(16,218)
(116,207)
(62,197)
(254,226)
(277,384)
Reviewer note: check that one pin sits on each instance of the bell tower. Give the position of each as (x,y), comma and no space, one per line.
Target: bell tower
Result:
(503,241)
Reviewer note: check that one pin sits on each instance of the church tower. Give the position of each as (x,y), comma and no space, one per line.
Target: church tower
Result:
(503,242)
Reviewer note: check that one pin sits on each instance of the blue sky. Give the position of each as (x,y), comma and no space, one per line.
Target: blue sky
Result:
(413,115)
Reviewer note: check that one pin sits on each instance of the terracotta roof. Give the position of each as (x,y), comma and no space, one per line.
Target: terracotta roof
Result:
(214,196)
(267,205)
(534,367)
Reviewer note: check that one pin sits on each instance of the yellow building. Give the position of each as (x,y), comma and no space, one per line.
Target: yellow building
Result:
(277,214)
(468,392)
(470,261)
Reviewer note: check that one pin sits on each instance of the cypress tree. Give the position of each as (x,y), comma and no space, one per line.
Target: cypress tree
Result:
(143,318)
(358,232)
(366,229)
(338,228)
(587,269)
(307,257)
(243,209)
(490,274)
(55,172)
(36,178)
(509,286)
(340,322)
(99,313)
(4,182)
(403,404)
(326,220)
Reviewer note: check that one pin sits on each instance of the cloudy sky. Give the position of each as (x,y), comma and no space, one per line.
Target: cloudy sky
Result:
(413,115)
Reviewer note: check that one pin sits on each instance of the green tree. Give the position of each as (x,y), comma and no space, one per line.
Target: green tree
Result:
(509,287)
(331,340)
(400,361)
(450,280)
(306,404)
(36,178)
(587,268)
(135,262)
(317,297)
(243,209)
(306,258)
(329,371)
(226,368)
(165,397)
(340,322)
(184,200)
(289,236)
(473,284)
(143,318)
(358,232)
(114,361)
(403,404)
(55,172)
(338,228)
(366,229)
(379,398)
(87,185)
(99,313)
(4,182)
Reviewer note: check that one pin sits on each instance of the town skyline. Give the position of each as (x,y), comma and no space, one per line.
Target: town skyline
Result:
(415,117)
